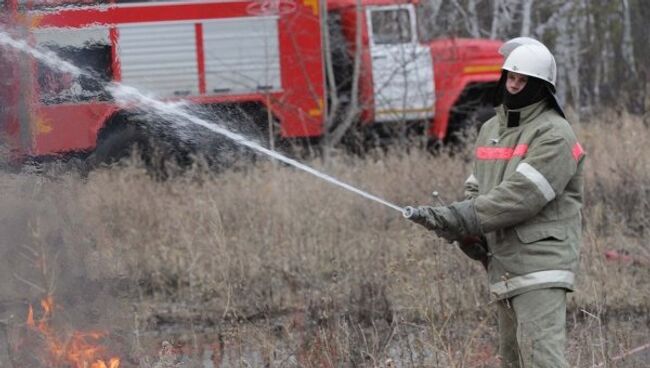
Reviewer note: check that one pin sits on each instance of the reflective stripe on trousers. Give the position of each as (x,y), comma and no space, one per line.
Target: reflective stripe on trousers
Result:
(534,278)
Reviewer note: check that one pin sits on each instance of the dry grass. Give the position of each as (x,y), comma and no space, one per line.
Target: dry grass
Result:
(277,267)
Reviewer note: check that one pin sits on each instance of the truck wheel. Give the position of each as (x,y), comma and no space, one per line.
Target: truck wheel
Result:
(117,145)
(478,117)
(467,126)
(221,153)
(166,150)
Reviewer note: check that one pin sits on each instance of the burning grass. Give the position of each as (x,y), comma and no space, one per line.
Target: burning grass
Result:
(273,266)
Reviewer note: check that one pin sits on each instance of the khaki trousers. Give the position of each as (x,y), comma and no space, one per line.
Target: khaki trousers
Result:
(532,329)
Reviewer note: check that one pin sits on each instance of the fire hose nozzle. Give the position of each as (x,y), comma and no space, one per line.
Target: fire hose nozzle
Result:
(408,212)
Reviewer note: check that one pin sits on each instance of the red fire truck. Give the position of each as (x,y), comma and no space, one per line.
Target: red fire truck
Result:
(265,58)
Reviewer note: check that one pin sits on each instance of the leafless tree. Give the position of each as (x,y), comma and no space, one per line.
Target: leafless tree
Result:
(598,44)
(628,45)
(527,7)
(337,125)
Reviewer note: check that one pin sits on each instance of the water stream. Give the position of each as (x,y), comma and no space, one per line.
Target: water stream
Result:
(127,96)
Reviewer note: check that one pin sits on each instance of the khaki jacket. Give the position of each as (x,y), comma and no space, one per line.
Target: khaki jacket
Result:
(527,186)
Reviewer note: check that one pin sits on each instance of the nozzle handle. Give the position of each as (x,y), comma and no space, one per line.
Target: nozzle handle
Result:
(408,212)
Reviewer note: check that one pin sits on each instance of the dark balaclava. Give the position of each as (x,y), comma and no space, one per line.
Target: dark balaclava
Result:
(534,91)
(530,94)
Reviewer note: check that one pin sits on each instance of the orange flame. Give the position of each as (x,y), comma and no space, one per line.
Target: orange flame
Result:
(113,363)
(80,350)
(30,317)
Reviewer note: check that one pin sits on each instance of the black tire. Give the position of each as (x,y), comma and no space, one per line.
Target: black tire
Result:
(221,153)
(465,127)
(478,117)
(166,148)
(117,143)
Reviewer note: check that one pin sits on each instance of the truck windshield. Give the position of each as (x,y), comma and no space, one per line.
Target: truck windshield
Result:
(391,26)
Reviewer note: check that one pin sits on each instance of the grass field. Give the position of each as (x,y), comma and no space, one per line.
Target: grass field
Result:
(268,266)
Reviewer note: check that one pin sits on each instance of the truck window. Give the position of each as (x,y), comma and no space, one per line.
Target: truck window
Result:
(57,87)
(391,26)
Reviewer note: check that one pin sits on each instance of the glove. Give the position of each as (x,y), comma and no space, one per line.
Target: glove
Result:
(475,247)
(435,219)
(422,216)
(452,223)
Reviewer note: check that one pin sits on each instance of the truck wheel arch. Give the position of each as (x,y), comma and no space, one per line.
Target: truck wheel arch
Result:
(115,141)
(462,107)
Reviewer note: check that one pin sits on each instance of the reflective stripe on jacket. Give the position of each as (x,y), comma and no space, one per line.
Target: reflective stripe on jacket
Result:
(528,188)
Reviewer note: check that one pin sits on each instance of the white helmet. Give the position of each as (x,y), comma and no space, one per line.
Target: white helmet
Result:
(528,56)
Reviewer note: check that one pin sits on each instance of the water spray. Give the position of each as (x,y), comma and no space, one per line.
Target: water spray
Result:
(125,96)
(46,56)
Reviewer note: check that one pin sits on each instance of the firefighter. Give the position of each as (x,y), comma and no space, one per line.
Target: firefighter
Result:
(522,213)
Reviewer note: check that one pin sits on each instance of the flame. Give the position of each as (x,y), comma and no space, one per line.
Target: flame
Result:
(113,363)
(30,317)
(79,350)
